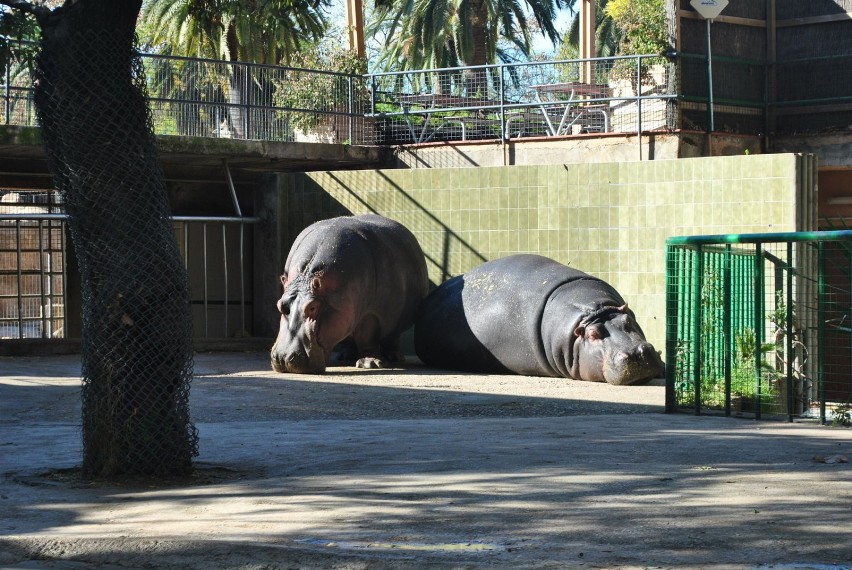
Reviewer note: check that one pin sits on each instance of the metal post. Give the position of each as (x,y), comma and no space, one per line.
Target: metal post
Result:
(225,275)
(672,284)
(204,258)
(821,300)
(758,324)
(696,335)
(726,326)
(710,81)
(350,105)
(789,333)
(20,279)
(7,90)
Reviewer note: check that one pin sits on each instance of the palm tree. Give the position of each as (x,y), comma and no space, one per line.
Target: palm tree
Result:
(258,31)
(445,33)
(607,35)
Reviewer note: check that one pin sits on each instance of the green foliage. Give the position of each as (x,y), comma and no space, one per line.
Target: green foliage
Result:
(298,88)
(642,23)
(607,35)
(258,32)
(424,34)
(842,415)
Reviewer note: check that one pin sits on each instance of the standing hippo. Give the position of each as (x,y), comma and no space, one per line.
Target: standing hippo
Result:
(531,315)
(353,278)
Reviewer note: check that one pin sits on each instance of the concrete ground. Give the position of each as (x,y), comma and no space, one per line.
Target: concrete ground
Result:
(418,468)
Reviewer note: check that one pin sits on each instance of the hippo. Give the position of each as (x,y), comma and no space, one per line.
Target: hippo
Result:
(358,279)
(528,314)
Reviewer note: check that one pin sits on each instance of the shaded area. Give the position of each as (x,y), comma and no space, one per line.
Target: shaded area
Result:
(326,472)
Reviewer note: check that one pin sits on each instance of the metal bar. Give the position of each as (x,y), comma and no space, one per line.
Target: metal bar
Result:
(20,280)
(204,258)
(712,127)
(639,104)
(225,273)
(833,235)
(821,331)
(699,315)
(790,327)
(726,325)
(41,264)
(671,327)
(7,95)
(233,189)
(758,325)
(63,217)
(243,329)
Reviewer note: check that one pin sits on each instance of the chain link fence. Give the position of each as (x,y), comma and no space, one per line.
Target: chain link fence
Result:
(136,330)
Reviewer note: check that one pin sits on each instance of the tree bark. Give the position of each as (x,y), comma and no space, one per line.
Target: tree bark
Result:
(136,340)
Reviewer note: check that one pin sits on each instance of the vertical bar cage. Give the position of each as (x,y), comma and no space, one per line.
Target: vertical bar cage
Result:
(760,325)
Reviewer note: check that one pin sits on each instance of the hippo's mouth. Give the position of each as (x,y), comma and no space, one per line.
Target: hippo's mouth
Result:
(300,362)
(631,369)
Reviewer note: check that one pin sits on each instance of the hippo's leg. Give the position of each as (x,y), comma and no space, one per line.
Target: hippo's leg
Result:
(366,338)
(346,351)
(391,351)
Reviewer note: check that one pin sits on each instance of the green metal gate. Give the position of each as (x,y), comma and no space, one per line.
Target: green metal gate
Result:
(760,324)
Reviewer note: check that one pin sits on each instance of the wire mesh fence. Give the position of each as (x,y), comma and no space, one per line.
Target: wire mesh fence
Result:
(549,98)
(213,98)
(760,325)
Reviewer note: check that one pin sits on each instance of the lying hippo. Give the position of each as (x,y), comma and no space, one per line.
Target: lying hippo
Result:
(353,278)
(530,315)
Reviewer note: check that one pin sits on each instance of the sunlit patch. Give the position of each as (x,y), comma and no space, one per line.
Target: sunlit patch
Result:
(472,546)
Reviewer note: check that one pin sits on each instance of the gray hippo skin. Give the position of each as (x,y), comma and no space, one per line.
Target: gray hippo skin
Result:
(353,278)
(531,315)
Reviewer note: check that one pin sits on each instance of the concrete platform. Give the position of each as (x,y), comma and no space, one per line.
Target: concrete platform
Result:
(418,468)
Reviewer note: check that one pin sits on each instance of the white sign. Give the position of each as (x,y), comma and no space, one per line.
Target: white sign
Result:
(708,9)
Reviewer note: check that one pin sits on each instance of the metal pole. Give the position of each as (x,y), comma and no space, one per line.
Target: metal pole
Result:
(696,335)
(759,311)
(710,81)
(639,104)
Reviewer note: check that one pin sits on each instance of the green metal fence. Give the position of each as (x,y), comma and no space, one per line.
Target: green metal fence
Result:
(760,325)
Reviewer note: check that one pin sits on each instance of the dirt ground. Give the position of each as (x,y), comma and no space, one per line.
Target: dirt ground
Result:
(418,468)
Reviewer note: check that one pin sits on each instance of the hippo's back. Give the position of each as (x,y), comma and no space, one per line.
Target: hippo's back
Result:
(489,319)
(377,258)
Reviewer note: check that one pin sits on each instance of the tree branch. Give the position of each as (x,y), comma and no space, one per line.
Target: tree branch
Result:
(36,10)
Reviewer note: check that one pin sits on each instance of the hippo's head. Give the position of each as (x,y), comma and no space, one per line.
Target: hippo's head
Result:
(310,327)
(610,347)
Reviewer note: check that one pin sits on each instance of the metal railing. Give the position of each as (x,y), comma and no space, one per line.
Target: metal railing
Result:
(760,325)
(214,98)
(32,276)
(34,285)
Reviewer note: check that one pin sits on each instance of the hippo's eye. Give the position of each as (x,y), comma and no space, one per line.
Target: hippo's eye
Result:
(284,307)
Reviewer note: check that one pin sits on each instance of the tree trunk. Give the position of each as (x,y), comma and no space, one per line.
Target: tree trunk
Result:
(137,342)
(238,86)
(476,80)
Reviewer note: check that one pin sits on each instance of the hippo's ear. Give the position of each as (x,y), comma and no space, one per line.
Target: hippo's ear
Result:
(580,331)
(284,279)
(626,310)
(316,284)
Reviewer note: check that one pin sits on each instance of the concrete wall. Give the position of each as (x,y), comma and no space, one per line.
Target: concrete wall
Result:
(609,219)
(611,147)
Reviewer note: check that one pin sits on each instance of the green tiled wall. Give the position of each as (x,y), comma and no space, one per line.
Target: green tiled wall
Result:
(608,219)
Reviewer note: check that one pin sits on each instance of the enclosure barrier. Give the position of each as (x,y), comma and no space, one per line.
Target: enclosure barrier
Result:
(217,252)
(760,325)
(222,99)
